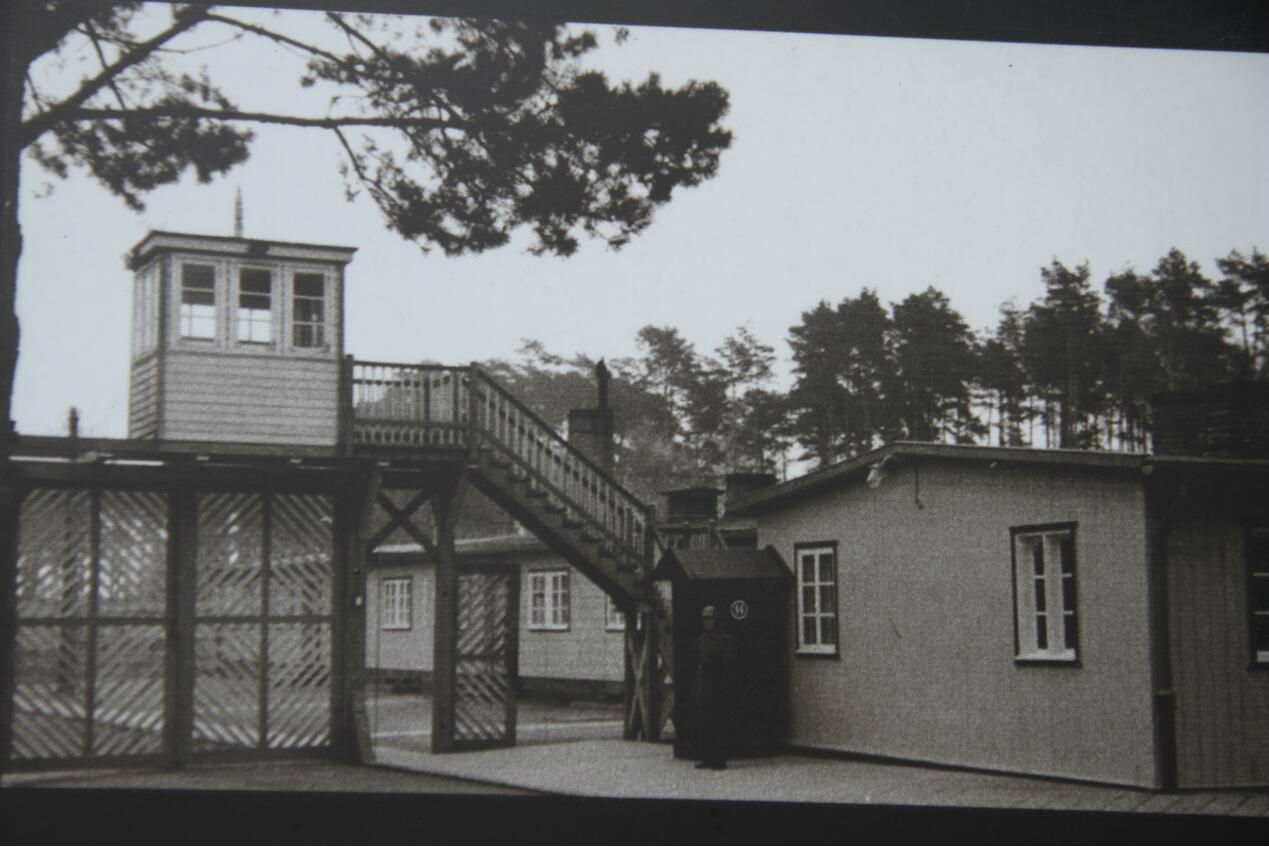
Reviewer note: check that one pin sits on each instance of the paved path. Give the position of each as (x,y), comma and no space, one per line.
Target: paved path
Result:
(624,769)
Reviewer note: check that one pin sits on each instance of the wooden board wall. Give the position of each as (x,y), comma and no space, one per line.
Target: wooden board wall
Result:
(143,399)
(258,399)
(1222,703)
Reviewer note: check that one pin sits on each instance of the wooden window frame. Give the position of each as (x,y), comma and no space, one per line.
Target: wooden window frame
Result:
(320,327)
(390,618)
(1026,647)
(271,322)
(556,615)
(819,649)
(182,317)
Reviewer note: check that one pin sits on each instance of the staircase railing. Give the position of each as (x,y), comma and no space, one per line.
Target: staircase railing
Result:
(402,405)
(560,473)
(397,405)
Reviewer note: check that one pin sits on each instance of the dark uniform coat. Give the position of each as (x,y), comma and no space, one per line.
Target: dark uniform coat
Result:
(716,673)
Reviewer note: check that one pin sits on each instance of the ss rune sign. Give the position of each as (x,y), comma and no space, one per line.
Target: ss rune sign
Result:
(739,610)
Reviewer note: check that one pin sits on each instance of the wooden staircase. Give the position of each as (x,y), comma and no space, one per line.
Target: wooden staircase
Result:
(515,458)
(428,413)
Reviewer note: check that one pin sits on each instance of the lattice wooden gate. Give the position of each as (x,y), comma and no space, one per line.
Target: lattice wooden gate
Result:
(262,626)
(91,588)
(485,667)
(128,648)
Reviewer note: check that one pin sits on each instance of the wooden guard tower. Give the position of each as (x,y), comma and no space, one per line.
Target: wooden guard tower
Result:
(236,340)
(240,341)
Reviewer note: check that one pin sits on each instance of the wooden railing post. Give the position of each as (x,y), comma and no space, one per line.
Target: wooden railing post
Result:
(344,413)
(473,409)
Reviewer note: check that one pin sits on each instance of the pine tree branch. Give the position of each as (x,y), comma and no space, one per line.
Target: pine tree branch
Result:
(33,128)
(274,36)
(185,111)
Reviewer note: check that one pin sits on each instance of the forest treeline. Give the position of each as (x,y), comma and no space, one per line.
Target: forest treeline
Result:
(1075,368)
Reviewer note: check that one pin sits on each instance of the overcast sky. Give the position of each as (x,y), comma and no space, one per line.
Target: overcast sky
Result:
(894,164)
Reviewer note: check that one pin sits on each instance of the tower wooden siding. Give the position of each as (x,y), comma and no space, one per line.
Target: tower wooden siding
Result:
(222,388)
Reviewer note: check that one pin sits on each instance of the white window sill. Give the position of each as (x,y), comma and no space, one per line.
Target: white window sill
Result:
(1057,656)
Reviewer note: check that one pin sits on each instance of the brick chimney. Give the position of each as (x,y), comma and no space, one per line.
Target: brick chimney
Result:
(591,430)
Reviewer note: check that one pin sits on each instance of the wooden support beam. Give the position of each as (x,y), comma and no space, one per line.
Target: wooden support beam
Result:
(445,506)
(350,727)
(182,585)
(402,518)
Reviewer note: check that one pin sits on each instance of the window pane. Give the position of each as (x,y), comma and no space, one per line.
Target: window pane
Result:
(1041,632)
(1068,623)
(308,310)
(198,297)
(310,285)
(198,276)
(1068,593)
(1041,602)
(828,630)
(808,631)
(1068,554)
(826,567)
(808,568)
(808,599)
(255,282)
(826,598)
(1037,556)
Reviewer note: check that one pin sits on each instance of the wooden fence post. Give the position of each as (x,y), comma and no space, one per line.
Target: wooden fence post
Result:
(181,587)
(445,507)
(351,731)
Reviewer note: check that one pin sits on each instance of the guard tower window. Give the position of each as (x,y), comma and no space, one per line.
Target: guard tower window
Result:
(308,324)
(198,301)
(255,306)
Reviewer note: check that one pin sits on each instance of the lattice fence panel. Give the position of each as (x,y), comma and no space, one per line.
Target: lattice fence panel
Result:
(55,554)
(483,680)
(128,701)
(299,685)
(230,554)
(50,719)
(132,562)
(300,555)
(226,686)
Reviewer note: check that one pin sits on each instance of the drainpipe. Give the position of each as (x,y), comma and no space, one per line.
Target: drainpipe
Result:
(1163,695)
